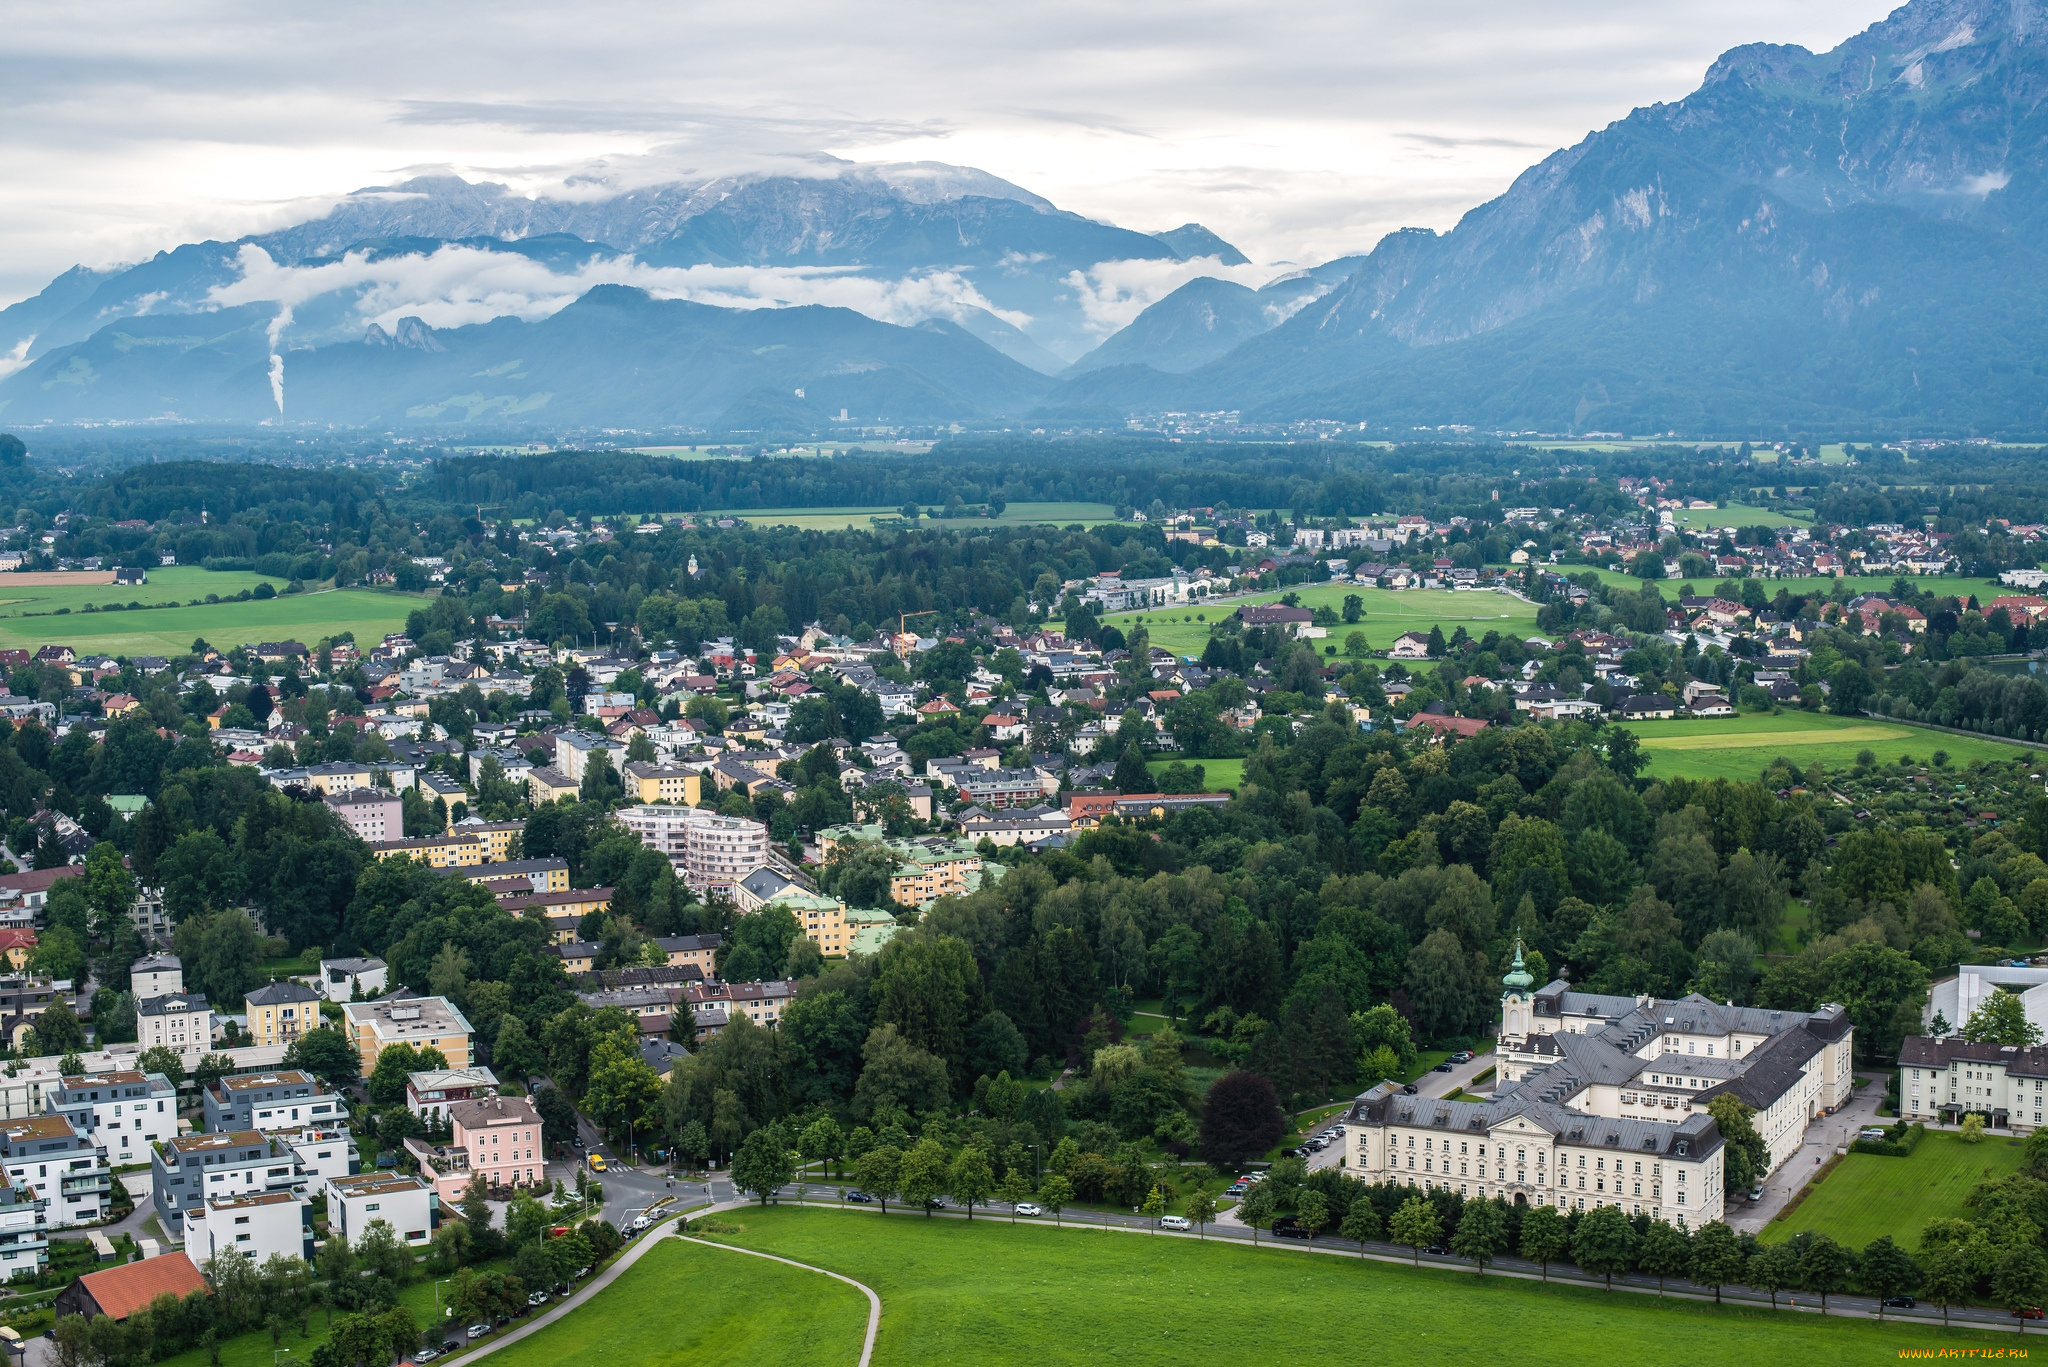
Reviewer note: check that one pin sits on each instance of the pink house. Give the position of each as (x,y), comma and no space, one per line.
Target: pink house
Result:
(501,1136)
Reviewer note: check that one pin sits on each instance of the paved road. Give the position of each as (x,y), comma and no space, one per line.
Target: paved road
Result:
(1824,1139)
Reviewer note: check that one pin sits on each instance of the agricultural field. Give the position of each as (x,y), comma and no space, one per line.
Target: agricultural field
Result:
(1184,630)
(1733,515)
(1743,747)
(1868,1195)
(990,1291)
(835,519)
(170,631)
(1809,585)
(178,583)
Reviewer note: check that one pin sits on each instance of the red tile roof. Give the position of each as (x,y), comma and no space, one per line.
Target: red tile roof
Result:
(121,1291)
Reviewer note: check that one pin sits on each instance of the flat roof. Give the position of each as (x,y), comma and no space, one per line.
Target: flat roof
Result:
(247,1081)
(113,1079)
(38,1127)
(261,1198)
(376,1184)
(226,1139)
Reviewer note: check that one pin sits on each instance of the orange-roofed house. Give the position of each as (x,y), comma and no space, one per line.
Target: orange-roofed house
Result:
(119,1292)
(16,946)
(1444,727)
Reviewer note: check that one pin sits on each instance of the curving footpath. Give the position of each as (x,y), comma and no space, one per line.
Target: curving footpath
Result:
(867,1347)
(639,1249)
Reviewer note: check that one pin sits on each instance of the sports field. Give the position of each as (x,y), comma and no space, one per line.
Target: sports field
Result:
(1388,613)
(993,1292)
(1866,1195)
(834,519)
(302,617)
(1742,747)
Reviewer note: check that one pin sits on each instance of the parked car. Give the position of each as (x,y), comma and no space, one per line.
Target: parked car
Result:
(426,1355)
(1756,1193)
(859,1198)
(1900,1303)
(1029,1208)
(1443,1068)
(1462,1056)
(477,1331)
(1286,1228)
(2027,1312)
(451,1345)
(1179,1222)
(1409,1090)
(537,1298)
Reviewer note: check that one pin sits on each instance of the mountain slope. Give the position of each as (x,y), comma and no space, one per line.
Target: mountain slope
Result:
(1855,237)
(1191,240)
(1194,325)
(615,356)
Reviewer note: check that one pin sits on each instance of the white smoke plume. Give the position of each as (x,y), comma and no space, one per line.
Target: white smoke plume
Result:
(274,333)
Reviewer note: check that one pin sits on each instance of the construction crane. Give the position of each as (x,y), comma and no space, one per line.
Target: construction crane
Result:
(903,634)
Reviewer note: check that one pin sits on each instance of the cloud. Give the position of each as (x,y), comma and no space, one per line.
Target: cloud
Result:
(455,286)
(1112,293)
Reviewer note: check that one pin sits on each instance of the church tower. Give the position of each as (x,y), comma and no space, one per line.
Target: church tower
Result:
(1515,1004)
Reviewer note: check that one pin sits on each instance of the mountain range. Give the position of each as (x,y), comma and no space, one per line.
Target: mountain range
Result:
(1850,241)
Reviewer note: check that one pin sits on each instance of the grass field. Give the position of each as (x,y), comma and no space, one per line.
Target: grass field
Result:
(178,583)
(1742,747)
(1217,774)
(1867,1195)
(992,1292)
(170,631)
(1387,614)
(739,1310)
(1808,586)
(1733,515)
(833,519)
(254,1350)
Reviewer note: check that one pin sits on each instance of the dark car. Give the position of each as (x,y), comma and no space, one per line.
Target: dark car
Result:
(1286,1228)
(860,1198)
(1900,1303)
(1443,1068)
(451,1345)
(1437,1251)
(1409,1090)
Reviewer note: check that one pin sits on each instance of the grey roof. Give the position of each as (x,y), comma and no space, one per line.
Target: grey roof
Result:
(159,1006)
(661,1054)
(155,963)
(765,882)
(1776,1067)
(1920,1051)
(283,994)
(1384,1105)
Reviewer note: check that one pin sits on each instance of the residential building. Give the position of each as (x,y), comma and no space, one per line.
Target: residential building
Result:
(180,1023)
(423,1022)
(17,947)
(549,784)
(406,1204)
(279,1013)
(323,1155)
(713,1004)
(563,911)
(344,980)
(286,1099)
(186,1170)
(50,1158)
(119,1292)
(445,851)
(576,749)
(710,851)
(24,1234)
(374,814)
(428,1095)
(697,951)
(498,837)
(577,956)
(664,783)
(265,1225)
(502,1137)
(1943,1080)
(516,877)
(124,1112)
(156,975)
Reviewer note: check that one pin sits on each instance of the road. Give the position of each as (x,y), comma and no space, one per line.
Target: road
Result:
(1824,1139)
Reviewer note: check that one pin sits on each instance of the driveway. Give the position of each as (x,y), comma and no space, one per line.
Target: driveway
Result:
(1825,1138)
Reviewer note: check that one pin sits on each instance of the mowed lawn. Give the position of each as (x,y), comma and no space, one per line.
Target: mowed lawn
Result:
(1867,1195)
(304,617)
(1217,774)
(708,1307)
(1184,630)
(175,584)
(1743,747)
(993,1292)
(1733,515)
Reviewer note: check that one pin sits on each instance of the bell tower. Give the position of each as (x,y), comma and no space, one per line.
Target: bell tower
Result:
(1515,1004)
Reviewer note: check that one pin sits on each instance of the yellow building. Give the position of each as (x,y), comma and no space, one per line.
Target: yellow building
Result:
(664,783)
(545,785)
(563,911)
(553,873)
(445,851)
(422,1022)
(281,1012)
(497,837)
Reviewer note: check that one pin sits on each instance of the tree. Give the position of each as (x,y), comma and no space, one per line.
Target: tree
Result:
(1666,1252)
(1016,1188)
(1481,1234)
(159,1059)
(1131,775)
(1971,1131)
(2021,1280)
(2002,1019)
(1241,1118)
(1201,1209)
(880,1173)
(1886,1270)
(1415,1224)
(972,1180)
(821,1140)
(764,1165)
(327,1054)
(1824,1267)
(925,1173)
(1312,1212)
(1154,1206)
(1545,1236)
(57,1029)
(395,1064)
(1748,1158)
(1605,1243)
(1054,1191)
(1258,1208)
(1713,1257)
(1773,1268)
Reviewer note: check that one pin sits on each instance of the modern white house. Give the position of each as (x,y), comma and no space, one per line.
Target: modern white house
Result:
(126,1113)
(405,1203)
(1954,999)
(255,1226)
(342,980)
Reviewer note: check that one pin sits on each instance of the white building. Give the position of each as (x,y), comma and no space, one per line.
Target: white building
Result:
(575,749)
(125,1113)
(372,813)
(342,979)
(178,1023)
(258,1226)
(157,975)
(1956,999)
(429,1094)
(51,1159)
(710,851)
(322,1156)
(407,1204)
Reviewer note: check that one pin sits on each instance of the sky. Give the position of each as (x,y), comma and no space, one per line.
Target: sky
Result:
(1300,132)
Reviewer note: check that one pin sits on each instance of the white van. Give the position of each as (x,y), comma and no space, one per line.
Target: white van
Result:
(1179,1222)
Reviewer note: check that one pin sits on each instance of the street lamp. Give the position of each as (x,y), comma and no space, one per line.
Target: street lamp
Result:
(439,1313)
(277,1353)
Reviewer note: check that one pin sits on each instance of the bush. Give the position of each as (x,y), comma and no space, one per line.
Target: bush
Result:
(1899,1141)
